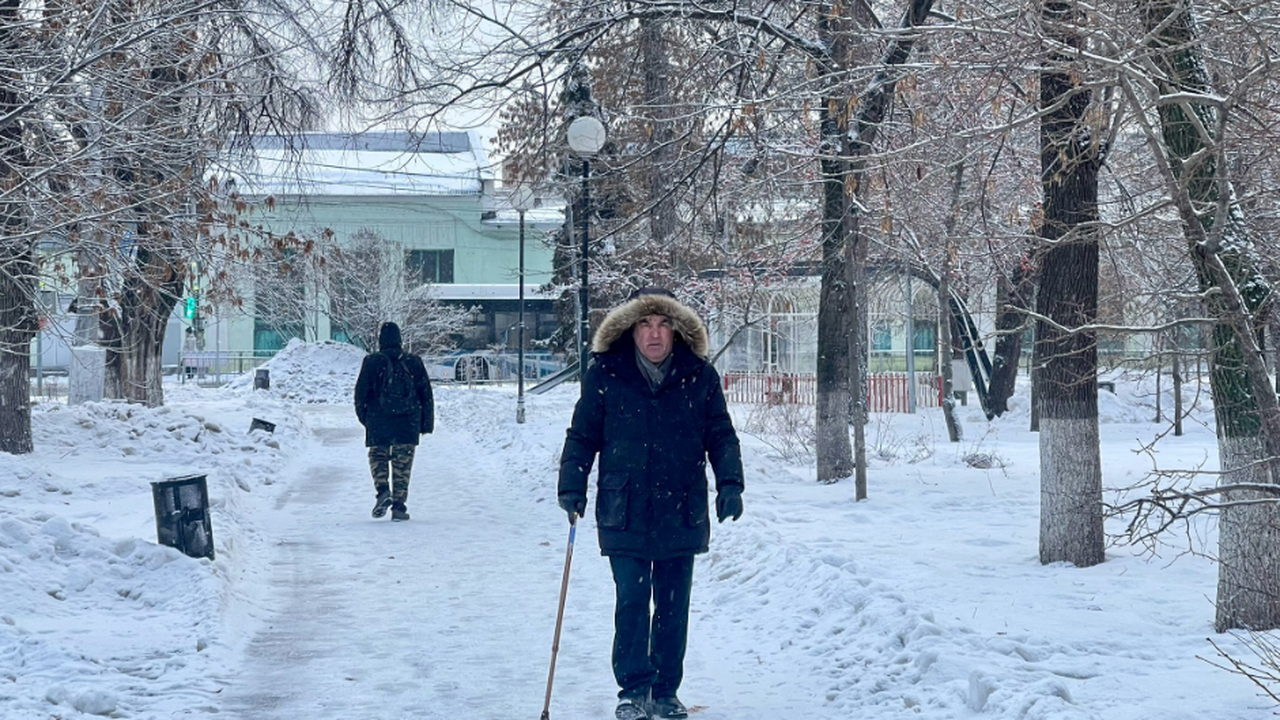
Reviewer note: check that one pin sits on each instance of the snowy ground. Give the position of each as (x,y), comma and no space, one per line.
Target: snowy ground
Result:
(925,601)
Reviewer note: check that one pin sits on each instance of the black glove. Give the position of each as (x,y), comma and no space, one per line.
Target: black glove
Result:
(729,503)
(574,504)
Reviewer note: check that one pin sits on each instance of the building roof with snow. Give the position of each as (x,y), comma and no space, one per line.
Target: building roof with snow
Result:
(368,163)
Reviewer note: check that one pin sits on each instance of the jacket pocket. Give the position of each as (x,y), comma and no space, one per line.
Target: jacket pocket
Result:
(611,502)
(697,505)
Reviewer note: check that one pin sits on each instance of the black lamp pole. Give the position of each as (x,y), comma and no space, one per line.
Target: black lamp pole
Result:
(520,352)
(522,199)
(586,136)
(584,322)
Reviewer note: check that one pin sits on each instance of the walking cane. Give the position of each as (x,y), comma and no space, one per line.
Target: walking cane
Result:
(555,641)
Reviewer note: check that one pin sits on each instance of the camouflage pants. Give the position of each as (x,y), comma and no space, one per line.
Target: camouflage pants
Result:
(391,465)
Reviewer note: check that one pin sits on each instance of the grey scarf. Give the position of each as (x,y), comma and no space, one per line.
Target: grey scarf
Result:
(652,372)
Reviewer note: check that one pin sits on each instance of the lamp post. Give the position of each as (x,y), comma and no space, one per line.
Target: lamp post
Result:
(586,136)
(521,200)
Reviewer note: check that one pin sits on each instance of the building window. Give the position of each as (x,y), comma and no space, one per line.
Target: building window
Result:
(280,301)
(428,266)
(881,336)
(926,336)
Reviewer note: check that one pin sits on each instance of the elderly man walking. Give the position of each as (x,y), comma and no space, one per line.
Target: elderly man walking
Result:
(652,409)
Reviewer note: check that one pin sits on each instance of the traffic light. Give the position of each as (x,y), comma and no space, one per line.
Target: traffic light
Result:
(189,311)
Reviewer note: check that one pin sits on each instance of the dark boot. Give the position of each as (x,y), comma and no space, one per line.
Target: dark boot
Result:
(399,512)
(631,708)
(383,502)
(668,707)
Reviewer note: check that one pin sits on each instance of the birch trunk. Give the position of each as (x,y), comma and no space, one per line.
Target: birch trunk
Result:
(1245,407)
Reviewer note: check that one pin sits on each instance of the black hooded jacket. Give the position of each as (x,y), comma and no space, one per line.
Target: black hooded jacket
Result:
(381,429)
(654,444)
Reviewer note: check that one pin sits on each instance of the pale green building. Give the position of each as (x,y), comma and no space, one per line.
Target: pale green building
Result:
(433,196)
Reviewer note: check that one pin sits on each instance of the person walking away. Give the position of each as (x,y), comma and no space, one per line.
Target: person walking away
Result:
(395,405)
(653,410)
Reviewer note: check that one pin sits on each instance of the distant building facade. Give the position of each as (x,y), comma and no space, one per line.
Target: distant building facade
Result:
(432,196)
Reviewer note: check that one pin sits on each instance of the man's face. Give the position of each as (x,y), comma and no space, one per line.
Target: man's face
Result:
(653,335)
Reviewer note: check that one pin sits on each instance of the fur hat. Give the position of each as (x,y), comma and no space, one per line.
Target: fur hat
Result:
(653,301)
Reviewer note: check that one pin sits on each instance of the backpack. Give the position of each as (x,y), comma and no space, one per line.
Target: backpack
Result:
(398,394)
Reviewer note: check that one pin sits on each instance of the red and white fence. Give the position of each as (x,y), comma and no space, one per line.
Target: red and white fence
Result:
(887,392)
(770,388)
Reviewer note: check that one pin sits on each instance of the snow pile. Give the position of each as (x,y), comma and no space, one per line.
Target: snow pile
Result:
(97,617)
(70,589)
(302,372)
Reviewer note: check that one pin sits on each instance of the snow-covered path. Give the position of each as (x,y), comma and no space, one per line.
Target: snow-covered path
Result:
(379,619)
(454,610)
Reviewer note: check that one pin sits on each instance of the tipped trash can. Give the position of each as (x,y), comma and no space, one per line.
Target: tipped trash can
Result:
(262,379)
(182,515)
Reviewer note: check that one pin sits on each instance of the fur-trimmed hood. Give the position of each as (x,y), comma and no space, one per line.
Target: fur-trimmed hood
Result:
(688,326)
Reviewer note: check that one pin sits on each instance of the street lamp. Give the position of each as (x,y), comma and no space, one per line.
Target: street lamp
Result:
(521,200)
(586,136)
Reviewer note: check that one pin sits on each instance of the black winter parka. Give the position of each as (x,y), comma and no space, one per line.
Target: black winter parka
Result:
(654,445)
(381,429)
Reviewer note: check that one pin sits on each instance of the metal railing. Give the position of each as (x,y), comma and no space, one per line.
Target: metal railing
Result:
(214,367)
(886,391)
(491,367)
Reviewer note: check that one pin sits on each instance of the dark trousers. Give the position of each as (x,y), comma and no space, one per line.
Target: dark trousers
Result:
(649,656)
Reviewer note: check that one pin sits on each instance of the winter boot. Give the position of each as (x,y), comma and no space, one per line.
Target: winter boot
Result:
(399,512)
(631,708)
(383,502)
(668,707)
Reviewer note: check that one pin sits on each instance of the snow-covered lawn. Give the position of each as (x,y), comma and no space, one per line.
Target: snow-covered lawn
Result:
(925,601)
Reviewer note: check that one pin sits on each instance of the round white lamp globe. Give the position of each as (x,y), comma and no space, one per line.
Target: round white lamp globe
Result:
(522,198)
(586,135)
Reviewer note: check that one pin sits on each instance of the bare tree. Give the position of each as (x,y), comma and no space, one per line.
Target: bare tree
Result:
(367,285)
(121,108)
(17,248)
(1066,356)
(1193,156)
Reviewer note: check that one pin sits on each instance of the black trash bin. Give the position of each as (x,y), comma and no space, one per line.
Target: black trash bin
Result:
(262,379)
(182,515)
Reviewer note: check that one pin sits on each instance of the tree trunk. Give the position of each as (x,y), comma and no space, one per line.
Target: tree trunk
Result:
(1159,378)
(1177,392)
(834,454)
(1070,461)
(17,259)
(843,150)
(657,104)
(1245,407)
(856,262)
(945,316)
(1012,295)
(1273,328)
(158,192)
(835,302)
(150,294)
